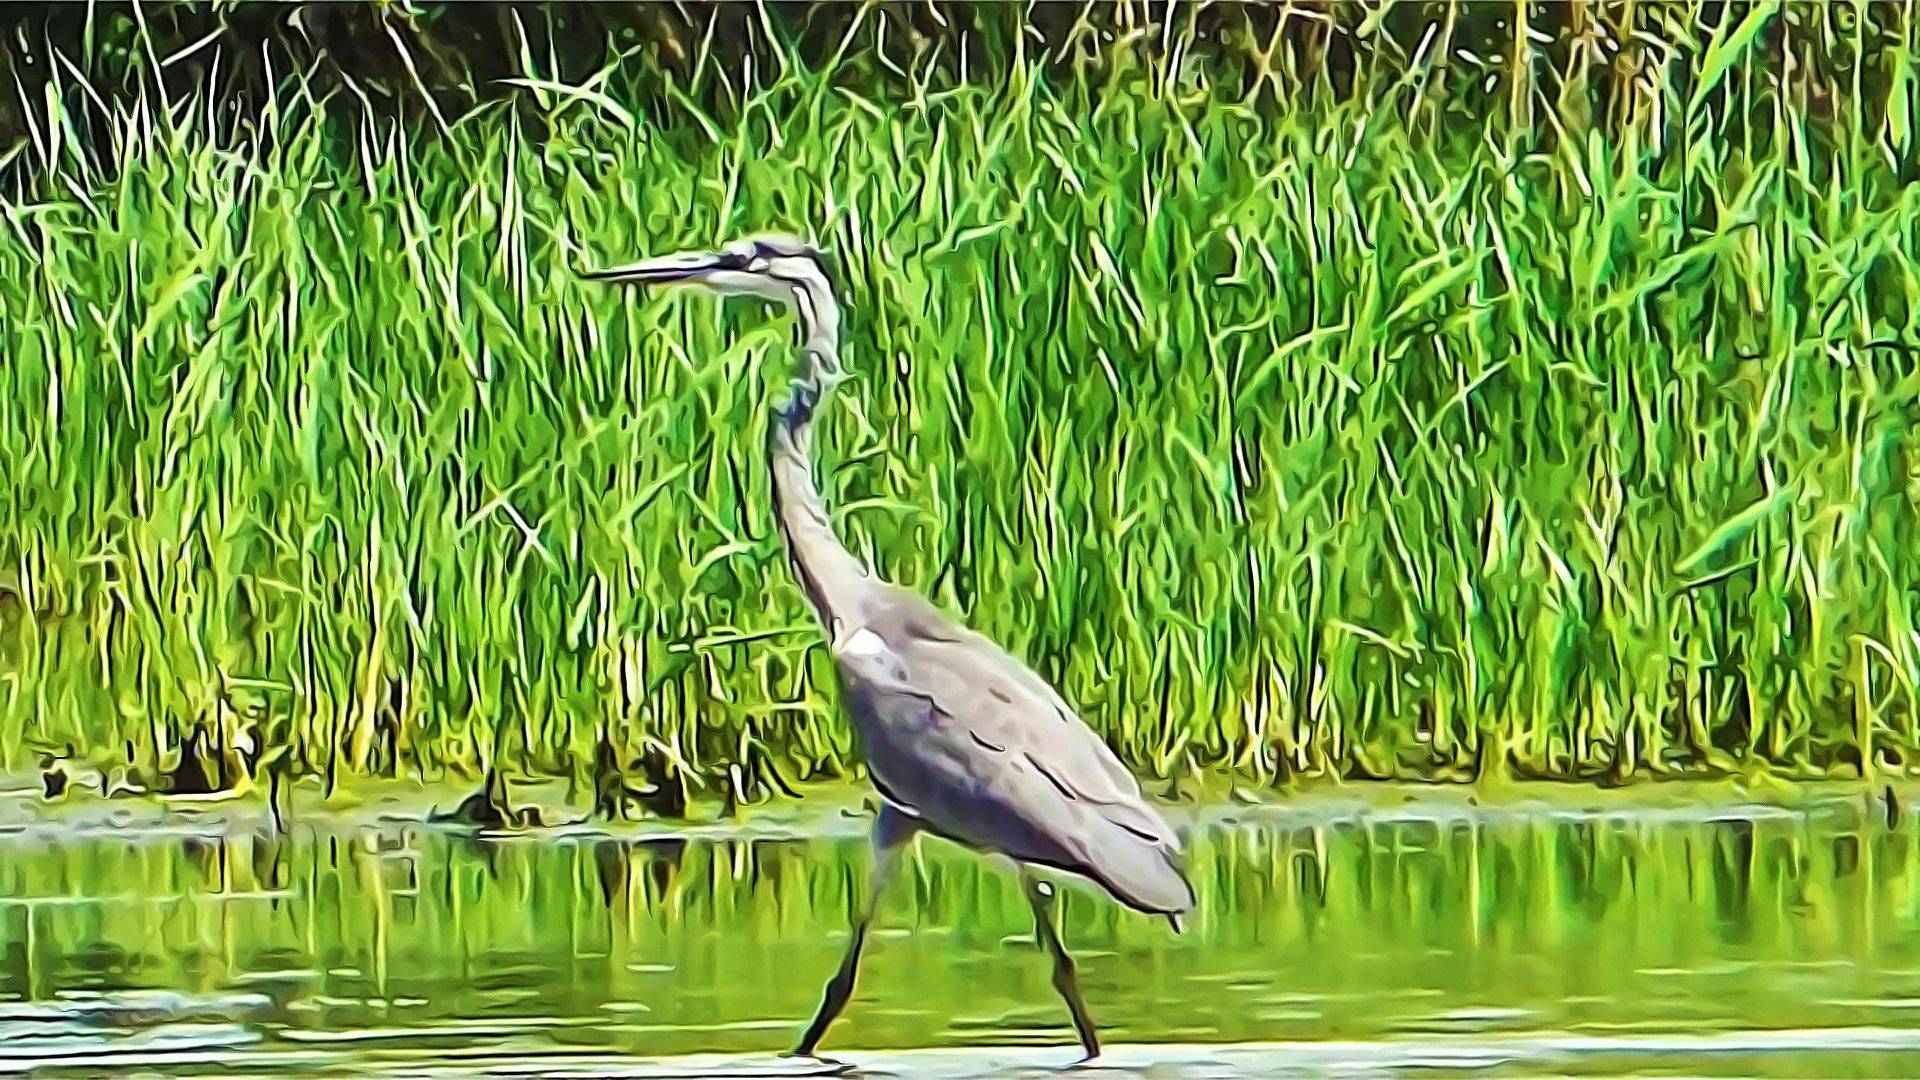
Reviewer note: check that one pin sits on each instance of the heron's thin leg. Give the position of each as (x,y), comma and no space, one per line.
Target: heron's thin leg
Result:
(1040,895)
(890,834)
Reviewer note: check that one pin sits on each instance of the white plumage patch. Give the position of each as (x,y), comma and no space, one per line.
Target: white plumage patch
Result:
(864,642)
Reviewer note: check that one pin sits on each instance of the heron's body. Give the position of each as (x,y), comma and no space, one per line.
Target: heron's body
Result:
(959,736)
(980,750)
(961,739)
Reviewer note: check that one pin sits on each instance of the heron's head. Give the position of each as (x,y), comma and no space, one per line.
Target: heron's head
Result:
(771,267)
(781,269)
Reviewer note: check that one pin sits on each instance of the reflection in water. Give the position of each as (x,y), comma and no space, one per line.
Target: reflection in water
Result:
(614,861)
(382,945)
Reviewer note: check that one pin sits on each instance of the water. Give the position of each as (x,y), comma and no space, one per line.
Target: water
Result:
(1437,944)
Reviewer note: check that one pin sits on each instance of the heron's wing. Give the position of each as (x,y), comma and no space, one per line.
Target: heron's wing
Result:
(981,752)
(1004,705)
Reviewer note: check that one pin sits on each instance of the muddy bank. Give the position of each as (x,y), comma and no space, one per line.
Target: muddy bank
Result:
(552,808)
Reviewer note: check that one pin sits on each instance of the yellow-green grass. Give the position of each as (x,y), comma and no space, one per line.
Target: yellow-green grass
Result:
(1446,422)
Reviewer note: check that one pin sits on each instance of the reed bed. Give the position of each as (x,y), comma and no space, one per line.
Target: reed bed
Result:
(1545,406)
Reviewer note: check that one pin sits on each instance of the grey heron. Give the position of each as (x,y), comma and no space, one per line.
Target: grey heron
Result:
(960,738)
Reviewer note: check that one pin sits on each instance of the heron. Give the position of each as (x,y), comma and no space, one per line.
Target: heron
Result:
(960,739)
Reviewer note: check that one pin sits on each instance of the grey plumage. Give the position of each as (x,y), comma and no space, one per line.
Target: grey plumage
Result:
(964,737)
(961,739)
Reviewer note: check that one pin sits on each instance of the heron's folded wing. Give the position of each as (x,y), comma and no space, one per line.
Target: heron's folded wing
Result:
(1012,712)
(936,765)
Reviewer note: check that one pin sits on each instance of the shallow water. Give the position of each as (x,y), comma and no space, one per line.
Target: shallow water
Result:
(1777,943)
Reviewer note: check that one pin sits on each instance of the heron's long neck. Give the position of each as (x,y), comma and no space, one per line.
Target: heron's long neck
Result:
(829,574)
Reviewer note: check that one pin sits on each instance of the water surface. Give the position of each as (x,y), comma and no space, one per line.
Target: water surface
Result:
(1725,943)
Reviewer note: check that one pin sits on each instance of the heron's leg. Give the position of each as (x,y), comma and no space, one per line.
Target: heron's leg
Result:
(1040,895)
(890,833)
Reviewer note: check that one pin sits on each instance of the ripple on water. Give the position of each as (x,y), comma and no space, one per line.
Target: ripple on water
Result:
(1826,1051)
(31,1046)
(130,1008)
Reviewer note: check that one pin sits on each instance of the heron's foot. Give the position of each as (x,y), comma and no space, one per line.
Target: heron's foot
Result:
(831,1066)
(1086,1062)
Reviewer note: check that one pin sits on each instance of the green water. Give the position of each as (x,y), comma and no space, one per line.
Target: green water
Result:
(1766,942)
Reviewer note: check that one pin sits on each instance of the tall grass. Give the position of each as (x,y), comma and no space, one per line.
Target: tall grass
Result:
(1529,409)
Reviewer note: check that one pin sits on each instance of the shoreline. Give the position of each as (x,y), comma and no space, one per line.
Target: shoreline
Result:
(843,810)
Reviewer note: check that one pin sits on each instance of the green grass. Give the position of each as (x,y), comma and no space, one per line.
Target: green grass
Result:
(1447,423)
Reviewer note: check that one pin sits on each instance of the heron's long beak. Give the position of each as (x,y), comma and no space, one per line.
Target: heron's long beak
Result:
(667,269)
